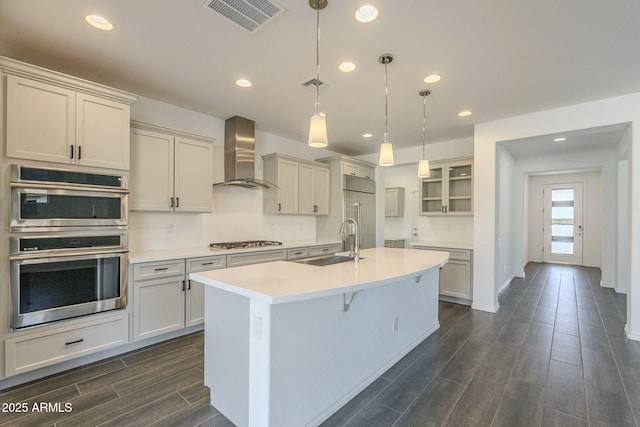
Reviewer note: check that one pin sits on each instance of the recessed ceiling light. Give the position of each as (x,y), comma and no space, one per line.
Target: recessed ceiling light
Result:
(560,139)
(347,67)
(367,135)
(366,14)
(432,78)
(243,83)
(99,22)
(465,113)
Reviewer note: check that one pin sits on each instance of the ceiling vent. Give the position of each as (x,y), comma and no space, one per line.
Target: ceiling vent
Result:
(313,82)
(248,14)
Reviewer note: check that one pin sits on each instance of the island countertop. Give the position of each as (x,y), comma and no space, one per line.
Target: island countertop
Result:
(284,281)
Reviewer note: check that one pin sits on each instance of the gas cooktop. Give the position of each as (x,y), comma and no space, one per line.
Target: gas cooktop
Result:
(245,244)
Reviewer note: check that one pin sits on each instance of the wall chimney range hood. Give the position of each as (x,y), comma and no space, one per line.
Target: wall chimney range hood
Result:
(239,155)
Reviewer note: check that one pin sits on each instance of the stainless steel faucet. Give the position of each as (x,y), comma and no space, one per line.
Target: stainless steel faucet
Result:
(355,252)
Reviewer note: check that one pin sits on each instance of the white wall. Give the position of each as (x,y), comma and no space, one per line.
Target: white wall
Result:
(623,109)
(237,212)
(405,174)
(508,200)
(592,214)
(623,240)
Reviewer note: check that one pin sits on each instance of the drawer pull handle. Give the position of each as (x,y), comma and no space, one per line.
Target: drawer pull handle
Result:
(161,269)
(207,263)
(325,249)
(297,253)
(74,342)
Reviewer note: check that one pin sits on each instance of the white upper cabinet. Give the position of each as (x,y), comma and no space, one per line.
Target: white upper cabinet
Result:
(102,132)
(151,175)
(56,118)
(169,172)
(394,201)
(40,121)
(303,186)
(357,170)
(449,189)
(193,178)
(314,189)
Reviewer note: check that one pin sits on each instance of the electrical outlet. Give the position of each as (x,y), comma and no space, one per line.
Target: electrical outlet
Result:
(395,324)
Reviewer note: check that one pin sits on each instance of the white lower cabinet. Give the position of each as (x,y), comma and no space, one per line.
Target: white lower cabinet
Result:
(30,351)
(164,299)
(456,280)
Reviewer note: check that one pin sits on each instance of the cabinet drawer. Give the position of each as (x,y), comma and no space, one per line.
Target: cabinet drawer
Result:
(295,253)
(154,270)
(206,263)
(459,254)
(32,351)
(325,249)
(236,260)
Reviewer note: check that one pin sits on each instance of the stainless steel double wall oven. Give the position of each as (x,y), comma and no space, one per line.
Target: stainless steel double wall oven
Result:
(68,244)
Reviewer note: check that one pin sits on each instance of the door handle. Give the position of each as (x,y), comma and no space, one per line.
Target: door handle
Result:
(79,152)
(72,151)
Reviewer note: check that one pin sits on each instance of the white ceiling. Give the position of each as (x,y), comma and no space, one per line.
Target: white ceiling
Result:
(496,58)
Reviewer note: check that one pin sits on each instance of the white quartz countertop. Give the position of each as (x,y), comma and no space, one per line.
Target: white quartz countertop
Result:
(168,254)
(286,281)
(443,245)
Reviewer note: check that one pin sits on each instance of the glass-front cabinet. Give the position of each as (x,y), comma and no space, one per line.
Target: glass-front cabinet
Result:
(449,189)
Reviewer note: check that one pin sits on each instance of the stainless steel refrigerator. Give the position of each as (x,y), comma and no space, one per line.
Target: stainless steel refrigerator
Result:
(360,194)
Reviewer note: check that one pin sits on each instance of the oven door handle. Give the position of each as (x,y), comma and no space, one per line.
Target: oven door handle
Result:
(61,254)
(59,186)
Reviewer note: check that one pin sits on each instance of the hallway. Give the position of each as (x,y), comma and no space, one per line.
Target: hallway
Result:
(555,354)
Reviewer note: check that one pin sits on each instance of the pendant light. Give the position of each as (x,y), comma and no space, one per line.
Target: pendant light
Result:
(423,165)
(318,124)
(386,149)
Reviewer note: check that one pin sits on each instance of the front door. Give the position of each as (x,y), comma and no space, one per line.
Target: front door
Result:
(562,219)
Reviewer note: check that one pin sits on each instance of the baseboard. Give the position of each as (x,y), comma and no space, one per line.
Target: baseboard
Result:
(607,285)
(505,285)
(631,335)
(487,308)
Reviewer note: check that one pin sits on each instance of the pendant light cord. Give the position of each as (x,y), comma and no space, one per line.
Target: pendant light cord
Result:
(386,94)
(318,58)
(424,122)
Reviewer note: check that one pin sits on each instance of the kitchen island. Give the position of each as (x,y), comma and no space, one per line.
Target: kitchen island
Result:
(287,344)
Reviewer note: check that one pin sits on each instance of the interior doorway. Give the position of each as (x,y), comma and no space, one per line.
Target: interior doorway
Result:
(563,223)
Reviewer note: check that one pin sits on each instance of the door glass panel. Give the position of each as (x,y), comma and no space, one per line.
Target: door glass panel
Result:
(46,286)
(562,221)
(52,206)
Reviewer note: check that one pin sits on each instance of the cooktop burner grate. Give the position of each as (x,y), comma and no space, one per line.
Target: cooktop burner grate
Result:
(245,244)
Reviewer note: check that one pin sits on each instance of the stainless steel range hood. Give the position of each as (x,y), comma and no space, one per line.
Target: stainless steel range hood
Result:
(239,155)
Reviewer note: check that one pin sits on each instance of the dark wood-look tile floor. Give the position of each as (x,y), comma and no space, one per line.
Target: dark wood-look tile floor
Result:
(554,355)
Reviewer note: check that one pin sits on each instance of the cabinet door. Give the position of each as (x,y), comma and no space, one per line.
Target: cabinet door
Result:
(459,188)
(365,172)
(40,121)
(102,132)
(455,279)
(194,314)
(305,189)
(288,183)
(158,307)
(350,169)
(151,171)
(433,191)
(320,191)
(193,176)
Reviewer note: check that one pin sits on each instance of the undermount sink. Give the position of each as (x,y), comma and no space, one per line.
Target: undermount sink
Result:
(325,260)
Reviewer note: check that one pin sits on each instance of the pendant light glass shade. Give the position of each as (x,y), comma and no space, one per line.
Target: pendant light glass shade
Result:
(386,149)
(386,154)
(423,169)
(318,124)
(423,166)
(318,131)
